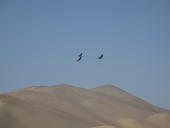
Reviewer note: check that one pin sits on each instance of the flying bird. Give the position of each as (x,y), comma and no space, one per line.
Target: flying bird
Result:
(80,55)
(79,58)
(100,57)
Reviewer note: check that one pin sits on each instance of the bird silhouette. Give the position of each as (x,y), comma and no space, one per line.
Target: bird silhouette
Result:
(80,55)
(100,57)
(79,58)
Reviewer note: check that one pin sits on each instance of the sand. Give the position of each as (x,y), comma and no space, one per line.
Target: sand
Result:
(65,106)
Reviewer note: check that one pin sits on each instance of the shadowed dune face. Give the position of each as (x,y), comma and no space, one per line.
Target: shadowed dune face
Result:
(66,106)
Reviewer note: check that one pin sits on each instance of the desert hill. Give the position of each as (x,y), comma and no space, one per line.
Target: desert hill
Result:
(65,106)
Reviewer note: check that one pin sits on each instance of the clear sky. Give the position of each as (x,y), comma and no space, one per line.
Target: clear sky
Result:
(40,41)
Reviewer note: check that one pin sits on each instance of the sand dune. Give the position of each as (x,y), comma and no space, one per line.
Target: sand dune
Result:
(65,106)
(161,119)
(105,126)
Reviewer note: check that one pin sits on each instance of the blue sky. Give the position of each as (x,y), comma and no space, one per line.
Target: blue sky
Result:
(40,40)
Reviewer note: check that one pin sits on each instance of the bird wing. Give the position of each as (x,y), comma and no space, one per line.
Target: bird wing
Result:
(79,59)
(80,55)
(100,57)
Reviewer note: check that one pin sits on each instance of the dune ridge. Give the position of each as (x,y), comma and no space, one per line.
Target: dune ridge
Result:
(66,106)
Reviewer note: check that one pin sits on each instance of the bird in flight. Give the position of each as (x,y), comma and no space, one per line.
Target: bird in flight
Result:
(100,57)
(80,56)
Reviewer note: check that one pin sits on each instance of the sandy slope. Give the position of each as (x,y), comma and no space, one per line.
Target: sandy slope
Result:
(65,106)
